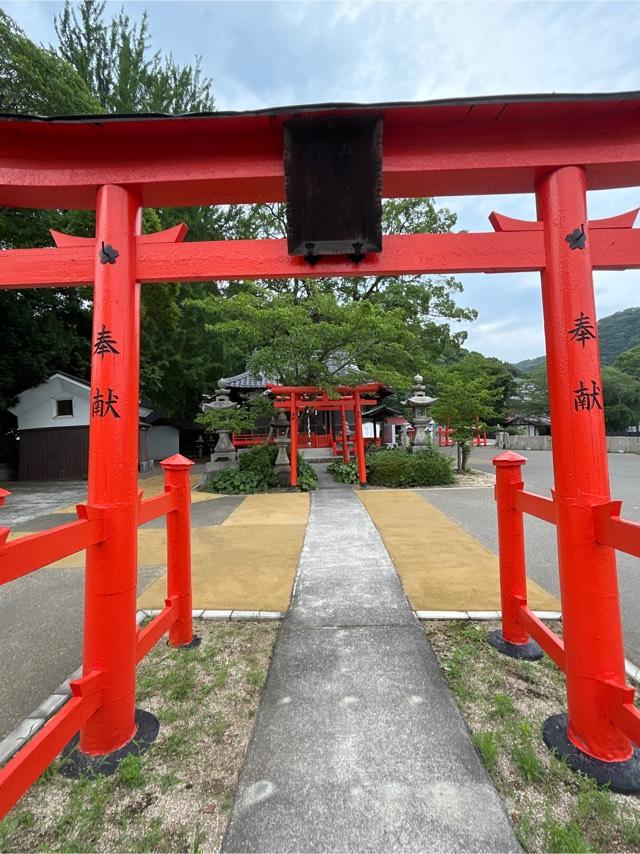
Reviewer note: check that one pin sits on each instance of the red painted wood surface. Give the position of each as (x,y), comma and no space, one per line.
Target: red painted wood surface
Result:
(485,252)
(148,637)
(592,629)
(543,635)
(111,574)
(23,555)
(176,473)
(428,150)
(536,505)
(153,508)
(511,550)
(23,769)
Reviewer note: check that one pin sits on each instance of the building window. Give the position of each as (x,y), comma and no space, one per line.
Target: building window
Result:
(64,407)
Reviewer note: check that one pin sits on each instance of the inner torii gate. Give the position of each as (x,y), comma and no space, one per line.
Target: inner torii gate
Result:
(295,398)
(556,146)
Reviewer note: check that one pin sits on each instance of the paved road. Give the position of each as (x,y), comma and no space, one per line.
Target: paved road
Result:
(474,509)
(41,614)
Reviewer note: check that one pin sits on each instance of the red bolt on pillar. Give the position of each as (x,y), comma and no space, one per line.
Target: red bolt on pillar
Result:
(588,582)
(359,438)
(513,640)
(110,587)
(176,480)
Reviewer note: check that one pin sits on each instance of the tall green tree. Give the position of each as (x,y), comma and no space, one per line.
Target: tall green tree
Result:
(629,362)
(114,59)
(464,402)
(42,329)
(179,359)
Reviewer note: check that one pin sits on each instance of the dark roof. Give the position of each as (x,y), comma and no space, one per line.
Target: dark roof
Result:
(607,101)
(381,411)
(73,377)
(247,380)
(538,420)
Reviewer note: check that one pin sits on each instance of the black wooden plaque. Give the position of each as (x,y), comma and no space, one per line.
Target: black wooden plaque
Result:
(333,175)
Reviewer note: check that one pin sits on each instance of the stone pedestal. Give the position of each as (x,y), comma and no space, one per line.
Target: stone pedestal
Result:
(224,455)
(282,441)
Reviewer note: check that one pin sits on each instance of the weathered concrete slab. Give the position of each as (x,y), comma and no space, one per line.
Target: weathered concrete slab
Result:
(345,576)
(358,744)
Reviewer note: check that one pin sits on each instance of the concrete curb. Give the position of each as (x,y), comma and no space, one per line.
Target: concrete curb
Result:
(28,727)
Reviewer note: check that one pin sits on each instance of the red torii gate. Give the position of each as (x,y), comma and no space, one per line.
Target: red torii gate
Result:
(555,146)
(294,398)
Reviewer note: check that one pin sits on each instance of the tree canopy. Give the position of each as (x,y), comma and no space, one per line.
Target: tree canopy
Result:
(302,330)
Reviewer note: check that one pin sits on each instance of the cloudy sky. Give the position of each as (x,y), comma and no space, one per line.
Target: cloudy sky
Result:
(262,54)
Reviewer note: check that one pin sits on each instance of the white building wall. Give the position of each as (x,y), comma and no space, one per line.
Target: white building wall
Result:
(36,407)
(163,442)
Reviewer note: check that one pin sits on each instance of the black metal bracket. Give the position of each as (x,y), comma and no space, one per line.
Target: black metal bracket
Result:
(108,254)
(309,257)
(357,255)
(577,239)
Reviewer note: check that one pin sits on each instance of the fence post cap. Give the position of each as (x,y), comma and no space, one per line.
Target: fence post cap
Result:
(508,458)
(177,463)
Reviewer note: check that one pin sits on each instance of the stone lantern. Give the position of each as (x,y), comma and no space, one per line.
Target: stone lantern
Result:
(224,455)
(419,403)
(280,425)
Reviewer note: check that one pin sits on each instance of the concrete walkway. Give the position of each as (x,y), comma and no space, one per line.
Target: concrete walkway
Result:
(358,743)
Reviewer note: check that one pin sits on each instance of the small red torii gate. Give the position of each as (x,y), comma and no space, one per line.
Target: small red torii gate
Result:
(295,398)
(555,146)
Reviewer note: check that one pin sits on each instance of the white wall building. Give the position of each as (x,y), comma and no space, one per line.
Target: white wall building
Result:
(53,427)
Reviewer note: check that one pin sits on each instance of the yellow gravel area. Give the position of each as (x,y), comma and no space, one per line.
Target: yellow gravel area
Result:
(441,566)
(279,508)
(247,563)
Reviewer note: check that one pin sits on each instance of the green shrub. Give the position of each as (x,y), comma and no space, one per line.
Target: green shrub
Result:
(399,467)
(235,482)
(260,460)
(256,473)
(344,472)
(307,477)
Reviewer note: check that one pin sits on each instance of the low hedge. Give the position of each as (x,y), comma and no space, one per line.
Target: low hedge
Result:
(256,473)
(399,467)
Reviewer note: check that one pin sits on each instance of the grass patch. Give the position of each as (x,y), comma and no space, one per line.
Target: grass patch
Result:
(177,796)
(505,703)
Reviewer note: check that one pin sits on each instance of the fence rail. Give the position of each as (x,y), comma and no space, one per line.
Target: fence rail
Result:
(519,624)
(23,555)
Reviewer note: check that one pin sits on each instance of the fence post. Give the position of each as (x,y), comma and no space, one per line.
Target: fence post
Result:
(513,640)
(176,480)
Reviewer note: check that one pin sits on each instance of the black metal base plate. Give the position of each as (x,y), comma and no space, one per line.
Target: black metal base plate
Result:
(525,651)
(622,777)
(194,643)
(77,764)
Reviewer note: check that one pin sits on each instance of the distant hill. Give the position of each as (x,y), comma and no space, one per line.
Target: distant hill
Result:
(617,332)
